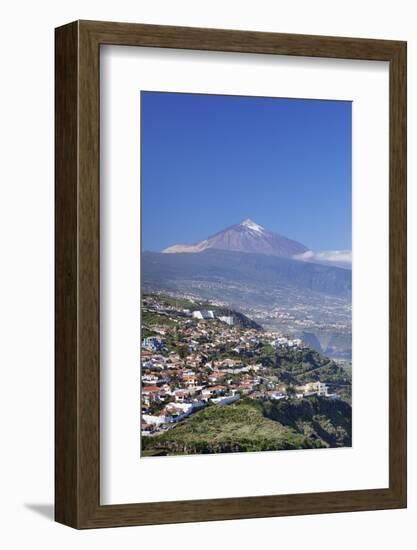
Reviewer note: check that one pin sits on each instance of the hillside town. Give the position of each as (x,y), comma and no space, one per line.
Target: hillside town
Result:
(199,355)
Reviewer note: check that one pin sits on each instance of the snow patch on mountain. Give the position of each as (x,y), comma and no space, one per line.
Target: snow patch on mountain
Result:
(252,225)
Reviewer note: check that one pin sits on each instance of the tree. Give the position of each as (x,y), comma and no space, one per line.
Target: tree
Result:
(183,351)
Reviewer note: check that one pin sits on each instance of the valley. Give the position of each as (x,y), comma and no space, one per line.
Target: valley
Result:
(302,299)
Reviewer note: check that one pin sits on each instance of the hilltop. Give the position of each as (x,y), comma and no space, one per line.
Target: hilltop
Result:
(169,307)
(255,425)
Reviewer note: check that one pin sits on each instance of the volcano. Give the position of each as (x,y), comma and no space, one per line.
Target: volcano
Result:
(246,236)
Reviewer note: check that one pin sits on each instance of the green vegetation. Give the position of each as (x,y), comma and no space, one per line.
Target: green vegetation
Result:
(257,425)
(267,354)
(150,318)
(300,366)
(165,300)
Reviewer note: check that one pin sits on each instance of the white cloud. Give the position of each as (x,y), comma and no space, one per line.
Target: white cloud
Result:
(340,258)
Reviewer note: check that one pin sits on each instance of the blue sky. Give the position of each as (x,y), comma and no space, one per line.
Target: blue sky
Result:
(209,161)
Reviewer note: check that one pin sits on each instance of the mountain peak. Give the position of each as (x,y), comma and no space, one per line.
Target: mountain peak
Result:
(250,224)
(247,236)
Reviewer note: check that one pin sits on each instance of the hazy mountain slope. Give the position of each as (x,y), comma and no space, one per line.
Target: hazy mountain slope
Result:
(221,267)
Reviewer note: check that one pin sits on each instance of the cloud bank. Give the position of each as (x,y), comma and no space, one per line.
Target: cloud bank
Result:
(339,258)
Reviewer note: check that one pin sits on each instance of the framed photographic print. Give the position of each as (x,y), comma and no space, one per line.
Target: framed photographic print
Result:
(230,274)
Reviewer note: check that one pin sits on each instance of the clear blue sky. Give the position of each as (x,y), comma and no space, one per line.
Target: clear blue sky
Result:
(210,161)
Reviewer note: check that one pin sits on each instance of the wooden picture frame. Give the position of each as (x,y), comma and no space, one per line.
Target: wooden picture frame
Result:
(77,403)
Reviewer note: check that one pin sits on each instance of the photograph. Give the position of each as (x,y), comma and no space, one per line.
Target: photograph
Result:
(209,205)
(246,274)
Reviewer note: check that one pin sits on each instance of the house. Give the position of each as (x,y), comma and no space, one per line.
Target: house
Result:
(151,390)
(211,391)
(147,429)
(179,411)
(230,363)
(281,341)
(152,393)
(150,378)
(182,395)
(246,387)
(256,395)
(295,343)
(276,395)
(152,343)
(215,376)
(314,388)
(189,378)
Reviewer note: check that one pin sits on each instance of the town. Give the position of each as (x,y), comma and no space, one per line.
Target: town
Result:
(196,355)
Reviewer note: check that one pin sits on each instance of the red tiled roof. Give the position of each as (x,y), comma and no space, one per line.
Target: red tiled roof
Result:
(151,389)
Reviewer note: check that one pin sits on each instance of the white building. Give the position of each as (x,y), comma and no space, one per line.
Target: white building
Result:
(156,420)
(203,314)
(226,400)
(228,319)
(277,396)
